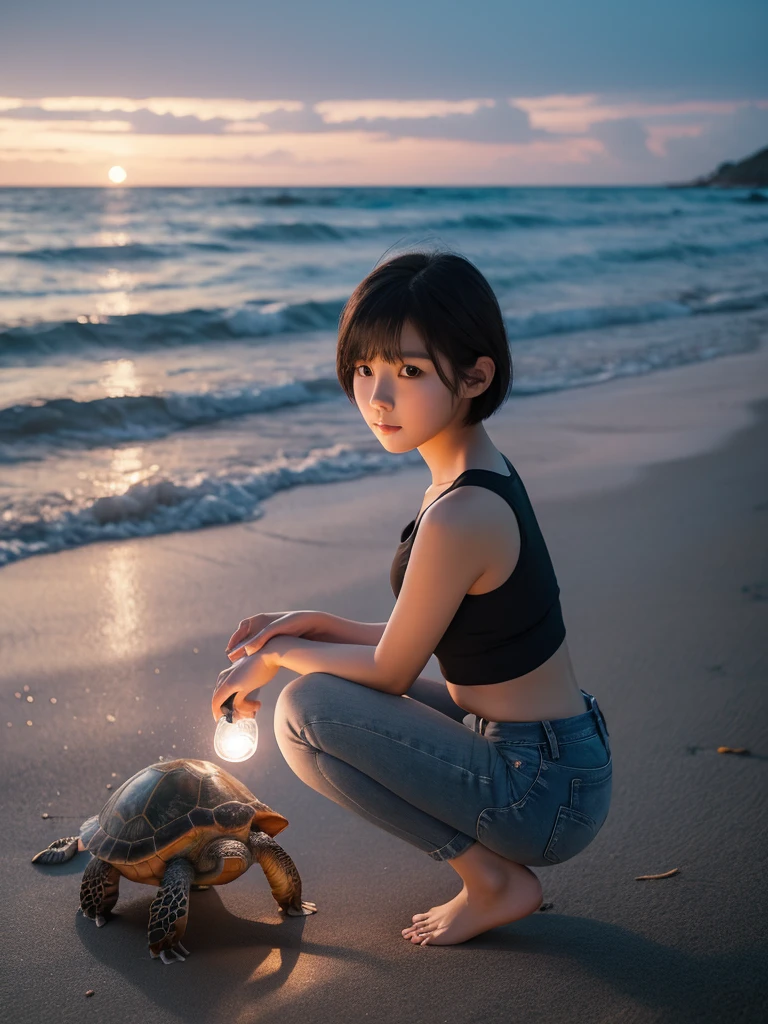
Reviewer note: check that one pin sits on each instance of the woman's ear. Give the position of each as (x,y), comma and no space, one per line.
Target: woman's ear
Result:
(483,372)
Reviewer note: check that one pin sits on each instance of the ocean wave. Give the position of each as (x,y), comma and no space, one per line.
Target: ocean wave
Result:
(55,522)
(638,359)
(299,231)
(145,331)
(677,251)
(115,253)
(106,421)
(281,199)
(302,232)
(320,231)
(138,331)
(568,321)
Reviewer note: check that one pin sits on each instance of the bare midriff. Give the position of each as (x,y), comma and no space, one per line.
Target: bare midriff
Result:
(549,691)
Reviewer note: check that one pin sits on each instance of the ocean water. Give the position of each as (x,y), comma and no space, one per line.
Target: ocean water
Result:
(167,355)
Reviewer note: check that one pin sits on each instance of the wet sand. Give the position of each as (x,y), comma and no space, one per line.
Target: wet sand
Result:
(652,493)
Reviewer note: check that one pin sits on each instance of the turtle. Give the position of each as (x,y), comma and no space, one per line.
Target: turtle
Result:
(178,824)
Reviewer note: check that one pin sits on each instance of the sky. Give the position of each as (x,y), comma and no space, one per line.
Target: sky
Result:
(497,92)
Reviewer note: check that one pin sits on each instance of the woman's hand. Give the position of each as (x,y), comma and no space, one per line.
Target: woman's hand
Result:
(248,627)
(249,673)
(252,634)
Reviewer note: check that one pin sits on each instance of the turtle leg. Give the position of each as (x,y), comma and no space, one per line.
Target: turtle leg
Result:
(99,890)
(168,912)
(283,878)
(59,851)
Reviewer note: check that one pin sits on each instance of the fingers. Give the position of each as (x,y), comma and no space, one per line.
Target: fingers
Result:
(251,645)
(220,694)
(245,708)
(234,638)
(248,645)
(222,691)
(241,632)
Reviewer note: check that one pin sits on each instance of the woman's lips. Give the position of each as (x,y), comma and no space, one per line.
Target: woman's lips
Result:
(385,429)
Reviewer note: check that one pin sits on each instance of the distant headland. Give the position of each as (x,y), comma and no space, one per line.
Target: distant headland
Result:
(752,172)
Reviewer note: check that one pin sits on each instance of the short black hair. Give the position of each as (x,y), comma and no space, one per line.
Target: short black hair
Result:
(451,306)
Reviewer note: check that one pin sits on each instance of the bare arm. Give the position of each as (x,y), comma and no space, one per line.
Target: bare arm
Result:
(356,662)
(337,630)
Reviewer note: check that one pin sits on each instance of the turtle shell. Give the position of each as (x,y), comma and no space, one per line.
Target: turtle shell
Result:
(172,809)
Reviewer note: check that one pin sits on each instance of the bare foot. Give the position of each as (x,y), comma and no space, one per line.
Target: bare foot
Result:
(512,895)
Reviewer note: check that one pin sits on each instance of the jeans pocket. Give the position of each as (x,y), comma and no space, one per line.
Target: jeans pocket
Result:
(523,764)
(577,823)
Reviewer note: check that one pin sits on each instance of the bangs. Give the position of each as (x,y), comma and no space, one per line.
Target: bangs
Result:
(371,338)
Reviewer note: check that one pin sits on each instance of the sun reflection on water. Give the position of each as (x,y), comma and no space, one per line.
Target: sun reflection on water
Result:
(123,611)
(119,379)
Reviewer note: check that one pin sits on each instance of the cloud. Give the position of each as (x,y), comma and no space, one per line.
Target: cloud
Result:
(483,121)
(500,123)
(685,148)
(146,122)
(273,157)
(579,113)
(289,121)
(625,141)
(727,138)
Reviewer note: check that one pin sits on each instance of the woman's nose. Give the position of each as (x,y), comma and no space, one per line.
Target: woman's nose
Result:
(380,400)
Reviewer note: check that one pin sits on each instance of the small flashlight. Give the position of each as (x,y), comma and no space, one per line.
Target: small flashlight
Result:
(235,741)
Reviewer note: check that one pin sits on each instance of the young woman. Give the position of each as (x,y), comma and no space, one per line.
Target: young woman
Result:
(507,764)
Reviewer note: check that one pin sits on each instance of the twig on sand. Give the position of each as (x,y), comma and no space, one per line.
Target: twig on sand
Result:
(666,874)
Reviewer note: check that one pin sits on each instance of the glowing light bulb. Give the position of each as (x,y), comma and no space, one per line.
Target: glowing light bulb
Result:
(235,741)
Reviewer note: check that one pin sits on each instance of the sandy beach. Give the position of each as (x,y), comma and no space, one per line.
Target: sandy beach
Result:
(652,494)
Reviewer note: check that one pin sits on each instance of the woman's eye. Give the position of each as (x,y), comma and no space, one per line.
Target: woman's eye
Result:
(408,366)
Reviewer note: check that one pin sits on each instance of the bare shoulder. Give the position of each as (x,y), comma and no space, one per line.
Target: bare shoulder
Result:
(480,520)
(472,507)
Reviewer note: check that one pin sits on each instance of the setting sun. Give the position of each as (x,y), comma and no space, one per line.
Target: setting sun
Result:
(117,175)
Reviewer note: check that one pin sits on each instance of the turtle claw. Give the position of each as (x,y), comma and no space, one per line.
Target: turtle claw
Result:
(306,908)
(100,920)
(169,955)
(184,951)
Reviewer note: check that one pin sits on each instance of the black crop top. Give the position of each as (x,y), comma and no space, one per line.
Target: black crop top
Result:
(508,631)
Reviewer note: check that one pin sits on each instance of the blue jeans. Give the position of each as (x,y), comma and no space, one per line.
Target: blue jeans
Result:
(419,767)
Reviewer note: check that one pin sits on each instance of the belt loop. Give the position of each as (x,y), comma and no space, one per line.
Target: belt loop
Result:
(552,740)
(602,725)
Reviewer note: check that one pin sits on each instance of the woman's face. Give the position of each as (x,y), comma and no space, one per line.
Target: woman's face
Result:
(408,395)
